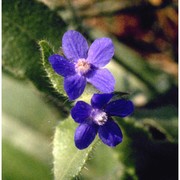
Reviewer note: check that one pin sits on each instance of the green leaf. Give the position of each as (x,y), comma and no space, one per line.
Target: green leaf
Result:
(145,157)
(31,109)
(104,164)
(162,122)
(68,160)
(56,80)
(24,23)
(18,164)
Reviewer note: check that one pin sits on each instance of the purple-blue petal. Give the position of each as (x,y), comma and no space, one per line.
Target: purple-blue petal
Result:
(81,111)
(61,65)
(121,108)
(99,101)
(103,80)
(74,45)
(74,86)
(100,52)
(84,135)
(110,133)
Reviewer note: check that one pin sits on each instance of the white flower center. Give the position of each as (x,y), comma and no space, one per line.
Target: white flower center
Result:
(99,117)
(82,66)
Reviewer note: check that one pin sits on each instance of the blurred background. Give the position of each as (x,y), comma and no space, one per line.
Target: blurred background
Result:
(145,35)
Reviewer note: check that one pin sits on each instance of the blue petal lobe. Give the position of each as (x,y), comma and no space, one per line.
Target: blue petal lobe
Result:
(100,52)
(103,80)
(61,65)
(74,86)
(81,111)
(121,108)
(99,101)
(84,135)
(74,45)
(110,133)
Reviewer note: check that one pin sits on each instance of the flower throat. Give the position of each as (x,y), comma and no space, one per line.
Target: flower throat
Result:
(82,66)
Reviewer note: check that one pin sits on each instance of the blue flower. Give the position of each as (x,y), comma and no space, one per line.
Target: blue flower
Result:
(96,118)
(84,64)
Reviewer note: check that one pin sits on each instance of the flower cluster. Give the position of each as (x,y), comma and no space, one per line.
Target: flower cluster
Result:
(83,64)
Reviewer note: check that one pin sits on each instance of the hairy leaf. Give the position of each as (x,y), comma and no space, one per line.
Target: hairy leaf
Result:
(68,160)
(104,164)
(56,80)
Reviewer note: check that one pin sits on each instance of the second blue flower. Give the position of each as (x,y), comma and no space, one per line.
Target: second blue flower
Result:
(97,118)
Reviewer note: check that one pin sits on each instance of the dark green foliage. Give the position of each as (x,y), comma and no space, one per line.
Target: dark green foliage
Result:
(24,23)
(148,158)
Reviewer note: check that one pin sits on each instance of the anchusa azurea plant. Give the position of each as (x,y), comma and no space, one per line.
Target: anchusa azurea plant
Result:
(83,64)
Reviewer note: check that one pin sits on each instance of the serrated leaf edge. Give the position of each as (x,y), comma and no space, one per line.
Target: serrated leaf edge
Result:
(43,63)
